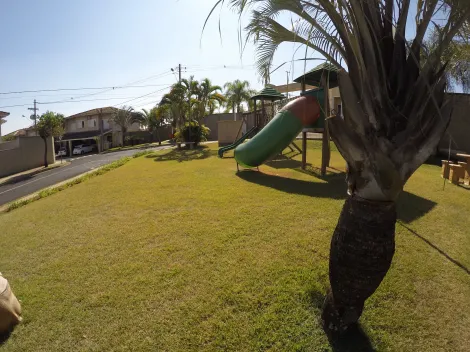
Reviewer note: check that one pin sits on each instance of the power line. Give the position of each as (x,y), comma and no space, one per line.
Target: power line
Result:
(88,100)
(146,95)
(65,94)
(76,89)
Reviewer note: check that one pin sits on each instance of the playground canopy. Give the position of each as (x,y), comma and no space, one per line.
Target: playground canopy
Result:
(314,76)
(268,93)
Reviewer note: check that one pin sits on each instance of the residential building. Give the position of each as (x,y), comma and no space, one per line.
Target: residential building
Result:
(94,127)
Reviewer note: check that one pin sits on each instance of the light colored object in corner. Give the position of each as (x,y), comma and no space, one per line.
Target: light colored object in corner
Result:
(10,309)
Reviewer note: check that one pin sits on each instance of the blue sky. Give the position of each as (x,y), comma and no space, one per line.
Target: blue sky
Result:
(52,44)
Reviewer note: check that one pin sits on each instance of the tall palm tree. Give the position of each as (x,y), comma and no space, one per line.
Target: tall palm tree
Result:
(175,103)
(152,119)
(393,103)
(236,93)
(124,117)
(209,98)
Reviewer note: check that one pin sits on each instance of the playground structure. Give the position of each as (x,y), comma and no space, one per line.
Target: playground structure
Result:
(274,129)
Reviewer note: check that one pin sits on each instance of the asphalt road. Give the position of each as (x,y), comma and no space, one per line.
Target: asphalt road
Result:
(78,166)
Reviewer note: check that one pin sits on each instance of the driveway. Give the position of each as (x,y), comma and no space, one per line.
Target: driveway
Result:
(78,166)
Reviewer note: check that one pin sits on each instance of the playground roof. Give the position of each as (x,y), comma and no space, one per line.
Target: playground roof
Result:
(268,93)
(314,76)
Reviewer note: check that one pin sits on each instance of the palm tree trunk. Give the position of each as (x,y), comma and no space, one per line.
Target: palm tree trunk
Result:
(46,164)
(361,253)
(124,130)
(158,137)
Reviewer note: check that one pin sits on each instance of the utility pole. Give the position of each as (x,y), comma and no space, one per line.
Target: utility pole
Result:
(35,114)
(179,72)
(287,85)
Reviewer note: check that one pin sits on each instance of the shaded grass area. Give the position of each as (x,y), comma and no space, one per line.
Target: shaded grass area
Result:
(137,146)
(176,252)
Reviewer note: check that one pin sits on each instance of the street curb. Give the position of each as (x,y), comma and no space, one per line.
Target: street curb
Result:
(4,208)
(57,165)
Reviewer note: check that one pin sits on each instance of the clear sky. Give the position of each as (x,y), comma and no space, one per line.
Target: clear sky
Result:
(51,44)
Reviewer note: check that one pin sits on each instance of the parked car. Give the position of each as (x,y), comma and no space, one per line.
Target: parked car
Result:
(62,152)
(82,149)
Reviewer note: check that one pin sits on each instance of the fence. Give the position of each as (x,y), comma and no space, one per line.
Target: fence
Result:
(23,154)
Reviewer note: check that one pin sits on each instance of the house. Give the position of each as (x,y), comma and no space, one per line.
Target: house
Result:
(94,127)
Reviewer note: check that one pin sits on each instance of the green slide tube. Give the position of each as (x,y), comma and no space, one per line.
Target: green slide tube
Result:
(235,144)
(279,132)
(270,141)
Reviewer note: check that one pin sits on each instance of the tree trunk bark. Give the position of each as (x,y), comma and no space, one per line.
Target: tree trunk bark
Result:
(46,164)
(158,137)
(361,253)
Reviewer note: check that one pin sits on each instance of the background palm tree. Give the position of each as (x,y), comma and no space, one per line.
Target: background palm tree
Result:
(152,119)
(124,117)
(237,93)
(457,57)
(393,100)
(209,98)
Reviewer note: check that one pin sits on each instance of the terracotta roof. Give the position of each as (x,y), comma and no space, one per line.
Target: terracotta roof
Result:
(105,110)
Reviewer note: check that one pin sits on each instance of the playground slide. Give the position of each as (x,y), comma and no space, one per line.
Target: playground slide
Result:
(279,132)
(235,144)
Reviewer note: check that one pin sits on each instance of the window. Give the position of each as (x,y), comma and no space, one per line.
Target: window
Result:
(92,123)
(82,124)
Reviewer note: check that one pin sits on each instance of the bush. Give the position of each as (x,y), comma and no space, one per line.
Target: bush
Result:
(192,132)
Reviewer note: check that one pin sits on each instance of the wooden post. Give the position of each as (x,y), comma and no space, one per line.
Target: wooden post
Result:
(304,136)
(454,175)
(304,150)
(263,112)
(445,169)
(325,162)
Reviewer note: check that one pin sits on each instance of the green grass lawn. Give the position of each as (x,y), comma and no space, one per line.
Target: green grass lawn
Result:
(176,252)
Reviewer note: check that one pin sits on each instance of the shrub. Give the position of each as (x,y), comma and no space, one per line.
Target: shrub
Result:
(192,132)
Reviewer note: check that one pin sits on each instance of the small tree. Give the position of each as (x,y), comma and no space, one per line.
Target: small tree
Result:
(124,117)
(50,124)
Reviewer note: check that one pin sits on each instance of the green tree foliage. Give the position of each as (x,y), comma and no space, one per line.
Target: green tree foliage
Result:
(237,93)
(192,132)
(191,100)
(456,56)
(50,124)
(153,119)
(124,117)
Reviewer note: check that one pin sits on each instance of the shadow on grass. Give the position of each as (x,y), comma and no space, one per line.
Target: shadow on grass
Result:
(440,251)
(197,153)
(409,206)
(336,188)
(4,337)
(354,339)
